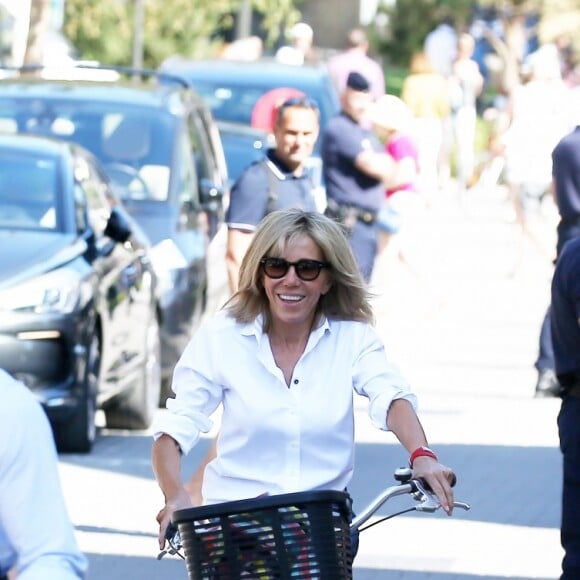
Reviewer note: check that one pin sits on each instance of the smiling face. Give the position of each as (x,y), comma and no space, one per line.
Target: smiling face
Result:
(293,301)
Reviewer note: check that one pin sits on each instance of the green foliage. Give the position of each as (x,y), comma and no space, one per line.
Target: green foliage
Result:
(409,22)
(103,29)
(99,30)
(395,76)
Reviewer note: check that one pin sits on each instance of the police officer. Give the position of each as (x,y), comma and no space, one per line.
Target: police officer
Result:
(565,321)
(277,182)
(355,168)
(566,187)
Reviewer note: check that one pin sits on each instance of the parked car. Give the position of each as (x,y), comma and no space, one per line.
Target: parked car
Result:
(231,89)
(242,146)
(78,316)
(161,148)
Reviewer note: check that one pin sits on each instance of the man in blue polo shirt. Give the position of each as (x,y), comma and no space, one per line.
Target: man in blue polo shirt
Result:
(355,167)
(565,321)
(566,185)
(279,181)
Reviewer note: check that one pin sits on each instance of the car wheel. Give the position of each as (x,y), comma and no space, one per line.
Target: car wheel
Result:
(78,433)
(135,409)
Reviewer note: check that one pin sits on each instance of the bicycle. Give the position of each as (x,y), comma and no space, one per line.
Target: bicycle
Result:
(303,535)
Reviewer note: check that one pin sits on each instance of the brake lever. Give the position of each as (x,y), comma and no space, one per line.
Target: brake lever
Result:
(428,502)
(173,538)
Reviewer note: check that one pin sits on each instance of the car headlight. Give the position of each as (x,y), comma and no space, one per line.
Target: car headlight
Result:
(55,292)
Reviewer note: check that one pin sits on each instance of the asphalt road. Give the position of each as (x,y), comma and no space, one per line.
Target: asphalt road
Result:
(465,334)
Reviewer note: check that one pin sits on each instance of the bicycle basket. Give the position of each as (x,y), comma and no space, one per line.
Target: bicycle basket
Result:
(296,535)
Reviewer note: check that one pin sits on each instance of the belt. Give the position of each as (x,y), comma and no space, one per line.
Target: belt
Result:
(573,391)
(345,210)
(570,221)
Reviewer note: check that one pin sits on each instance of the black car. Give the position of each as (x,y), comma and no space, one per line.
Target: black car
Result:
(78,294)
(160,147)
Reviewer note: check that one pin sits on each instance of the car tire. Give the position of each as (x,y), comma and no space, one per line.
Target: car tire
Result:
(77,434)
(136,409)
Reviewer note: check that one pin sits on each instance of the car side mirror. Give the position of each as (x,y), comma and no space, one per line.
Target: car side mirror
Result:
(211,195)
(118,228)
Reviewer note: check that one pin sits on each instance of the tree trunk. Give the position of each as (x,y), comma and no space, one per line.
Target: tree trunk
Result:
(37,32)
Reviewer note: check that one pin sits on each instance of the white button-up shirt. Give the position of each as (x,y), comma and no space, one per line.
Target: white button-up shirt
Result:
(36,534)
(274,438)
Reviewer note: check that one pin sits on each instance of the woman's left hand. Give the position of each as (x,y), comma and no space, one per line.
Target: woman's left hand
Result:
(180,501)
(439,477)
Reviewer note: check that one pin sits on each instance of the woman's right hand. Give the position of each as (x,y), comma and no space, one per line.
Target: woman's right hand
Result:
(180,501)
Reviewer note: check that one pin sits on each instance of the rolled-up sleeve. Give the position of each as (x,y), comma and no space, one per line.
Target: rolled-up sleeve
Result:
(197,394)
(378,379)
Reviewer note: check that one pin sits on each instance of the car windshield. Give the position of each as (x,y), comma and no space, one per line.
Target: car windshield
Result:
(120,136)
(235,102)
(29,191)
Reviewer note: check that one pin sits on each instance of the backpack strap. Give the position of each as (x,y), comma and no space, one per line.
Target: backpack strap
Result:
(273,184)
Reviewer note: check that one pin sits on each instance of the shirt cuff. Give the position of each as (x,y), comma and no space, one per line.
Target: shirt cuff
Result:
(379,407)
(184,429)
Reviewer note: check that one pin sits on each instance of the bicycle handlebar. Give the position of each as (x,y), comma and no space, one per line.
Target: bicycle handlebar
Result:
(417,489)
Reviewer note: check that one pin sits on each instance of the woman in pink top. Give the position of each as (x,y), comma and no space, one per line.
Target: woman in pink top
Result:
(399,221)
(392,121)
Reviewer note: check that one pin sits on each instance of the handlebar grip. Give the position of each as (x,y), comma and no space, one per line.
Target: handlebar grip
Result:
(428,487)
(170,531)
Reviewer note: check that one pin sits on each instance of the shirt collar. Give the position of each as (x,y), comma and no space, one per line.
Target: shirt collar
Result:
(279,168)
(256,327)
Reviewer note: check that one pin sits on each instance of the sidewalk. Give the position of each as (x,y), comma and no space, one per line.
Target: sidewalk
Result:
(469,354)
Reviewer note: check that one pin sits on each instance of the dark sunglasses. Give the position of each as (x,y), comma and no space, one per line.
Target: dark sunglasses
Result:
(306,270)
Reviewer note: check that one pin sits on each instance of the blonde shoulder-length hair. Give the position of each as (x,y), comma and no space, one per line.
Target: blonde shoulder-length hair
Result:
(348,297)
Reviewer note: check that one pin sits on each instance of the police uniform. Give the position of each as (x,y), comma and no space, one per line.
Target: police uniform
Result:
(353,197)
(266,186)
(565,321)
(566,174)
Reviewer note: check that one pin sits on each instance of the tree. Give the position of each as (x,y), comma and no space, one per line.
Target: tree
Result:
(411,20)
(102,30)
(37,30)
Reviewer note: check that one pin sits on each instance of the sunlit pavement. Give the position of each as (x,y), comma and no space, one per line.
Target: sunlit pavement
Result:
(465,334)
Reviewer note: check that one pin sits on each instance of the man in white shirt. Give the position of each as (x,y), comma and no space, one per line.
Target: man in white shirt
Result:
(440,46)
(300,49)
(36,536)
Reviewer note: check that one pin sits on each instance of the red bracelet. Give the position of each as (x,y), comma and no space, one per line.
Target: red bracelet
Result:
(421,452)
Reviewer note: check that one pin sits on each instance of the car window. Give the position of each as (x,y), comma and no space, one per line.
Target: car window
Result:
(29,190)
(235,102)
(199,147)
(229,102)
(119,135)
(98,207)
(187,181)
